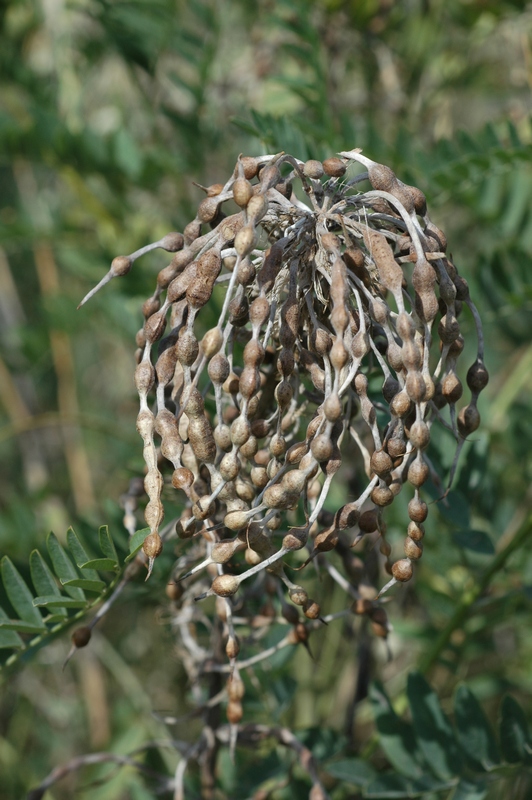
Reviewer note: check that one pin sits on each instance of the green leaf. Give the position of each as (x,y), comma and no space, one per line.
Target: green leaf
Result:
(19,595)
(84,583)
(474,732)
(352,770)
(8,639)
(21,626)
(105,564)
(63,566)
(513,727)
(469,790)
(80,554)
(454,508)
(135,543)
(389,786)
(396,737)
(43,579)
(51,601)
(476,541)
(106,544)
(432,728)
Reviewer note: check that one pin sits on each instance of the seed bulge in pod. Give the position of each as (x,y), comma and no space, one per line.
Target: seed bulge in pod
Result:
(451,387)
(400,404)
(321,447)
(313,169)
(311,609)
(153,545)
(448,329)
(417,510)
(81,636)
(208,209)
(283,394)
(242,192)
(240,431)
(154,327)
(249,448)
(413,549)
(369,521)
(418,473)
(334,167)
(477,377)
(382,496)
(259,311)
(256,208)
(416,531)
(381,463)
(218,369)
(245,240)
(419,435)
(402,570)
(415,386)
(276,496)
(468,420)
(246,272)
(298,595)
(187,348)
(269,176)
(225,585)
(332,408)
(211,342)
(144,377)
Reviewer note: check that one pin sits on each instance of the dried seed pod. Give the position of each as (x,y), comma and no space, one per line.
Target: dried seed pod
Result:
(477,376)
(402,570)
(242,192)
(81,636)
(468,420)
(225,585)
(334,167)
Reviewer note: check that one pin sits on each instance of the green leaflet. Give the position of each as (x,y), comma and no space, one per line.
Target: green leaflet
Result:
(43,579)
(397,738)
(51,601)
(63,566)
(20,596)
(516,744)
(433,730)
(80,555)
(474,732)
(106,545)
(8,638)
(136,542)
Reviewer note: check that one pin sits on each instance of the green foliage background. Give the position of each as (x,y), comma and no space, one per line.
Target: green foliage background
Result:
(109,109)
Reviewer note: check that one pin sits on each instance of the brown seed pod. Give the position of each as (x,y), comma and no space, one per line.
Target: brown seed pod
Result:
(242,192)
(468,420)
(81,636)
(225,585)
(417,510)
(313,169)
(153,545)
(381,463)
(334,167)
(369,521)
(402,570)
(382,496)
(477,377)
(413,549)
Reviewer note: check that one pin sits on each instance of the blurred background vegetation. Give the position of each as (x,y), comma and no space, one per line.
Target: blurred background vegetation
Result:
(109,110)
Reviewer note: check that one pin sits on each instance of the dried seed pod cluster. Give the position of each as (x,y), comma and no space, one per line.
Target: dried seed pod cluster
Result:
(337,340)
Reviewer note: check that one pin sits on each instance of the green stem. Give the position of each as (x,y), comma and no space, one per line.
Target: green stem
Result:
(472,595)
